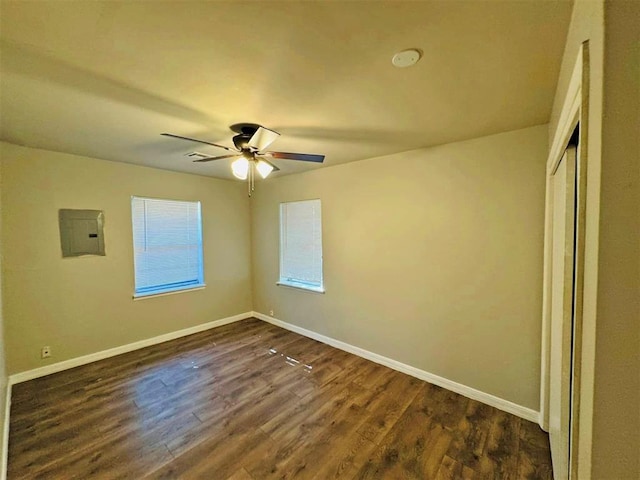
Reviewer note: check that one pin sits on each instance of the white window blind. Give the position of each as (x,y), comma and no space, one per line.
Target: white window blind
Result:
(167,245)
(301,245)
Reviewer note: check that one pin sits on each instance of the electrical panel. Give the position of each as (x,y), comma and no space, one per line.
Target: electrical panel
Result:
(81,232)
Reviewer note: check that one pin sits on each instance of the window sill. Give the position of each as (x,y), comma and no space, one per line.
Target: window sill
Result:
(191,288)
(300,286)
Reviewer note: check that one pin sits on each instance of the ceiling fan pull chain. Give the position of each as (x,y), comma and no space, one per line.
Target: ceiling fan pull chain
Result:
(253,176)
(250,178)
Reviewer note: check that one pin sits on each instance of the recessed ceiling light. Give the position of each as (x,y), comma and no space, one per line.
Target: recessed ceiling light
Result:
(406,58)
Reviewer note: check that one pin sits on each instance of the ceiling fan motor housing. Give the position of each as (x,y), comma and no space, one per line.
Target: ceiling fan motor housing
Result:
(245,132)
(241,141)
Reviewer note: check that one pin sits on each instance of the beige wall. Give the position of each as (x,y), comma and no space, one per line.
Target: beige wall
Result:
(609,442)
(431,257)
(616,420)
(84,305)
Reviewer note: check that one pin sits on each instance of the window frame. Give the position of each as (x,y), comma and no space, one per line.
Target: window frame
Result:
(290,282)
(176,287)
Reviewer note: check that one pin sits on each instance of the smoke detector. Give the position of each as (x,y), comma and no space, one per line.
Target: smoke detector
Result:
(406,58)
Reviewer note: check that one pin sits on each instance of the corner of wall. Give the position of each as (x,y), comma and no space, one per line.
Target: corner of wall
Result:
(5,388)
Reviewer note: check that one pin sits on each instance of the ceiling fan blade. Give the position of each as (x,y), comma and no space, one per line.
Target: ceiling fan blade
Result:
(275,169)
(209,159)
(262,138)
(196,140)
(305,157)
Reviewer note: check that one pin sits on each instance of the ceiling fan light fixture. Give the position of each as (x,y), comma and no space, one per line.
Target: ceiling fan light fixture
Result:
(240,168)
(264,169)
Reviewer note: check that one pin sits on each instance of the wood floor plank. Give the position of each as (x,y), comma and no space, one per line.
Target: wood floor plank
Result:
(347,460)
(319,440)
(382,419)
(332,447)
(251,401)
(501,452)
(416,445)
(468,445)
(217,457)
(451,469)
(534,457)
(240,475)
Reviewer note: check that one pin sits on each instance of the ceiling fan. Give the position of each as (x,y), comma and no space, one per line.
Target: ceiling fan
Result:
(250,142)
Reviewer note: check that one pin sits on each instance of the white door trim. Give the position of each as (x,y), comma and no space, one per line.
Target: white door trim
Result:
(575,110)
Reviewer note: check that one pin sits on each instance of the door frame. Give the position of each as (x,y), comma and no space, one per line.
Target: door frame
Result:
(574,112)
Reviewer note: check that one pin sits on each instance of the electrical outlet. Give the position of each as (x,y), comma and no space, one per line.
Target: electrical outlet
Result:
(45,352)
(271,313)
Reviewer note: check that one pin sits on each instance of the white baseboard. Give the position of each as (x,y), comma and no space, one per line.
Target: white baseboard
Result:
(492,400)
(112,352)
(5,434)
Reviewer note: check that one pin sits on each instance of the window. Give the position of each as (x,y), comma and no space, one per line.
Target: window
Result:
(301,245)
(167,245)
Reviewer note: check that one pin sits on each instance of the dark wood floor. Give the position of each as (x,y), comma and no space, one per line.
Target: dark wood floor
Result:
(250,401)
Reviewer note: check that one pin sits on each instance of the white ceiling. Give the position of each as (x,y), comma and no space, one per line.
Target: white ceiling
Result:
(104,79)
